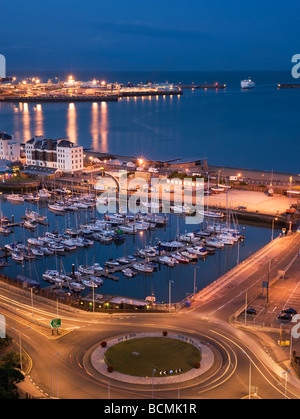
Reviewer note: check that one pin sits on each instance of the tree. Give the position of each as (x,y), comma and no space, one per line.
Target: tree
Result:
(9,377)
(12,359)
(5,342)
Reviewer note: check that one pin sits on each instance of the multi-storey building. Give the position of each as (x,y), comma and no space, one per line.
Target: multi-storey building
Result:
(60,154)
(9,149)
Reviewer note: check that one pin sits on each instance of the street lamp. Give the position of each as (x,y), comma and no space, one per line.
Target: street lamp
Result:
(52,377)
(152,380)
(286,381)
(20,344)
(250,373)
(273,222)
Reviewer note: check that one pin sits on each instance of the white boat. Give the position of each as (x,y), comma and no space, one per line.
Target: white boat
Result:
(247,84)
(56,247)
(31,198)
(211,214)
(111,263)
(31,225)
(180,258)
(44,193)
(215,243)
(76,286)
(80,205)
(188,255)
(165,260)
(171,246)
(69,245)
(34,216)
(56,208)
(217,189)
(37,252)
(90,269)
(17,257)
(15,198)
(130,229)
(103,237)
(96,280)
(129,273)
(180,209)
(225,239)
(89,283)
(47,251)
(142,267)
(148,252)
(189,238)
(5,230)
(197,251)
(140,225)
(123,261)
(55,277)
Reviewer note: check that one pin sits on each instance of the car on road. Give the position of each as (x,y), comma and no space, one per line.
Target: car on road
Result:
(285,316)
(291,311)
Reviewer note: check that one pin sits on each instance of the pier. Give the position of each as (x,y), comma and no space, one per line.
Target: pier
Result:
(58,99)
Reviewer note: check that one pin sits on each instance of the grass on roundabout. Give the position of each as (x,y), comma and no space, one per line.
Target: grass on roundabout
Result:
(139,357)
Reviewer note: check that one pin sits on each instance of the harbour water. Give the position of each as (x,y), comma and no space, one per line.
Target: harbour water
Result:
(255,129)
(142,285)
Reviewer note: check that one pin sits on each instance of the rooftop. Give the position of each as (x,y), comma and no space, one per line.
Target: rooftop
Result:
(4,136)
(50,144)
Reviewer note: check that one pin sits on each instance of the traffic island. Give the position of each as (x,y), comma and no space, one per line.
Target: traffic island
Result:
(152,358)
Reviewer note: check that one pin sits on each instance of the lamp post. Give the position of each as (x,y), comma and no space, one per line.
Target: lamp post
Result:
(286,381)
(273,223)
(20,344)
(152,381)
(250,373)
(52,377)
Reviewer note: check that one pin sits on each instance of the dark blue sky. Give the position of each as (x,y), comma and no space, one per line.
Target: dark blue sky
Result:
(149,34)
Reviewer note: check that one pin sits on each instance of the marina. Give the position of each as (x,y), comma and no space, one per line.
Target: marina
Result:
(79,251)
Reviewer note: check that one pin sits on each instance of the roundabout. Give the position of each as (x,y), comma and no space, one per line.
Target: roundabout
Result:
(171,359)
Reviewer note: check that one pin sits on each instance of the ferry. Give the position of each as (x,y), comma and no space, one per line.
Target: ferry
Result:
(247,84)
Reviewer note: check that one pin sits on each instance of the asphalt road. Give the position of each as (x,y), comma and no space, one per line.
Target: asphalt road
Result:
(61,366)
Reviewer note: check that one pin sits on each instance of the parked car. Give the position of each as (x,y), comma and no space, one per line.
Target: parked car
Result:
(251,311)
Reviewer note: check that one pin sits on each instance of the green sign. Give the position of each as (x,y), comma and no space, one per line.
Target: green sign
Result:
(55,323)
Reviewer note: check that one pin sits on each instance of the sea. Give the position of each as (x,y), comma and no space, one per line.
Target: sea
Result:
(254,129)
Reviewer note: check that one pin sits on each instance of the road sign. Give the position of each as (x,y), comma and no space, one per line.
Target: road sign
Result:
(55,323)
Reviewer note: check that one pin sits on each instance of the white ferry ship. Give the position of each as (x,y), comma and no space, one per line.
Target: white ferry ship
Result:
(247,84)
